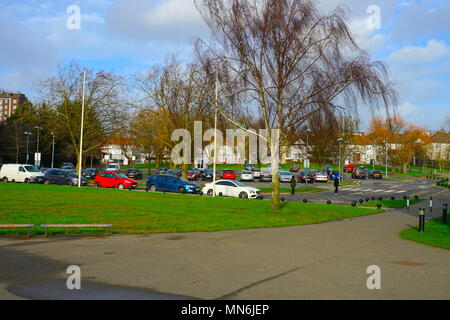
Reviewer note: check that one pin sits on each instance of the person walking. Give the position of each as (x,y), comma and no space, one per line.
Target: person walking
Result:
(293,184)
(336,184)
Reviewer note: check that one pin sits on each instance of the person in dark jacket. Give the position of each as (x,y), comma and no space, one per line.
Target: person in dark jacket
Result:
(293,184)
(336,185)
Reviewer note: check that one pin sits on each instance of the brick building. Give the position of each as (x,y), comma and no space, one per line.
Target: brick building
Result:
(9,102)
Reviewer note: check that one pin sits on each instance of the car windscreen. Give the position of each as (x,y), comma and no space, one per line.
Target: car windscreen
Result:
(122,176)
(32,169)
(182,179)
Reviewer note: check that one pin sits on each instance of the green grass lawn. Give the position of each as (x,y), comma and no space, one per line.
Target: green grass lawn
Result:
(139,212)
(297,190)
(436,234)
(391,203)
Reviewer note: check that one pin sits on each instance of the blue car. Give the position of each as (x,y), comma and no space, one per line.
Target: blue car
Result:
(160,182)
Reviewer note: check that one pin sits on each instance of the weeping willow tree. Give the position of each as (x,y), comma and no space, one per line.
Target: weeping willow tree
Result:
(291,61)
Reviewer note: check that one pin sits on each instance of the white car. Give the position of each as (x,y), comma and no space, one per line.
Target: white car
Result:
(232,188)
(113,167)
(21,173)
(246,175)
(285,176)
(321,177)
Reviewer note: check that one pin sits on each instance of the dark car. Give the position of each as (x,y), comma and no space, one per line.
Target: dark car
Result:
(375,175)
(90,173)
(161,171)
(176,173)
(43,170)
(169,183)
(135,174)
(68,164)
(306,177)
(207,175)
(62,177)
(359,173)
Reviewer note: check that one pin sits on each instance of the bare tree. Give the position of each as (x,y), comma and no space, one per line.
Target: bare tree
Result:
(292,61)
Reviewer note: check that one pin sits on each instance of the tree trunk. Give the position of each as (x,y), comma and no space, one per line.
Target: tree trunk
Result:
(405,167)
(275,161)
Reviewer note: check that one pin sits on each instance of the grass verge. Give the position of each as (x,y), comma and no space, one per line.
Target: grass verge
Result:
(133,212)
(436,234)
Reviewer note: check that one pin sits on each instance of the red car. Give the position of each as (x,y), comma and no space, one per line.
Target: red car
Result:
(228,174)
(114,180)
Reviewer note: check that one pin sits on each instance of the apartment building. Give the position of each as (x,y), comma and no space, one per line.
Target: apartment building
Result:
(9,102)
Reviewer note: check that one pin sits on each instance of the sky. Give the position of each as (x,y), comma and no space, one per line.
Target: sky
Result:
(411,36)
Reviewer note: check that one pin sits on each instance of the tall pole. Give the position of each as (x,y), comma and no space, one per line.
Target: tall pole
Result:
(80,160)
(386,159)
(53,148)
(28,156)
(340,168)
(215,133)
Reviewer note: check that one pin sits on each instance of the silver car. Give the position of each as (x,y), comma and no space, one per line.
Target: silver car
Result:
(285,176)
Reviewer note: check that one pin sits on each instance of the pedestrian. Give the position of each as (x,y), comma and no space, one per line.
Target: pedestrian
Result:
(336,184)
(293,184)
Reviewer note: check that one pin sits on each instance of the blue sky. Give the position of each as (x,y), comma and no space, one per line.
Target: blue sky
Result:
(130,35)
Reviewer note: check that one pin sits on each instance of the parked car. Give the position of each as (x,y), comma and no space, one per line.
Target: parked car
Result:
(169,183)
(113,167)
(67,168)
(349,168)
(90,173)
(193,174)
(21,173)
(207,175)
(114,180)
(63,177)
(134,174)
(294,168)
(232,188)
(306,176)
(175,173)
(285,176)
(321,176)
(249,167)
(375,175)
(246,175)
(228,174)
(359,173)
(256,173)
(68,164)
(43,170)
(161,171)
(265,176)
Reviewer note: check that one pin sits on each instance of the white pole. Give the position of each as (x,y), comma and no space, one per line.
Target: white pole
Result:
(53,149)
(386,160)
(80,161)
(215,134)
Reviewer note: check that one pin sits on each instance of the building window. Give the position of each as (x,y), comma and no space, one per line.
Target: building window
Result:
(14,101)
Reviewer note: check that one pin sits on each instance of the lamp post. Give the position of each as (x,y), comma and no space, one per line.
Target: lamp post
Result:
(28,134)
(80,160)
(53,148)
(386,147)
(37,161)
(340,169)
(308,131)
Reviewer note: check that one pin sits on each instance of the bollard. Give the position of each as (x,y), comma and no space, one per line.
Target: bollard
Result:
(379,206)
(354,203)
(407,204)
(283,199)
(416,197)
(422,220)
(361,201)
(380,199)
(329,202)
(305,200)
(431,204)
(367,199)
(444,214)
(392,198)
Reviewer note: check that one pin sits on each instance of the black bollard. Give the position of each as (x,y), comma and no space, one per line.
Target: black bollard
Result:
(354,203)
(444,214)
(379,206)
(367,199)
(329,202)
(392,198)
(422,220)
(416,197)
(283,199)
(380,198)
(305,200)
(361,201)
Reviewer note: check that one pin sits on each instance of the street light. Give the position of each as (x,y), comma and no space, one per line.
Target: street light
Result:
(340,169)
(28,134)
(53,148)
(215,133)
(80,160)
(386,147)
(308,131)
(37,160)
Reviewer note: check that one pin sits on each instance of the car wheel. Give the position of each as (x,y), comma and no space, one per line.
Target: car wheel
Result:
(120,186)
(182,190)
(243,195)
(68,183)
(97,185)
(209,192)
(153,188)
(27,181)
(46,181)
(5,180)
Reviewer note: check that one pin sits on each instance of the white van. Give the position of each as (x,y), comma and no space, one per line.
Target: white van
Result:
(113,167)
(21,173)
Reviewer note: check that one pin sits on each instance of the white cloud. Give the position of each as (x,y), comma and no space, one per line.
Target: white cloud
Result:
(433,51)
